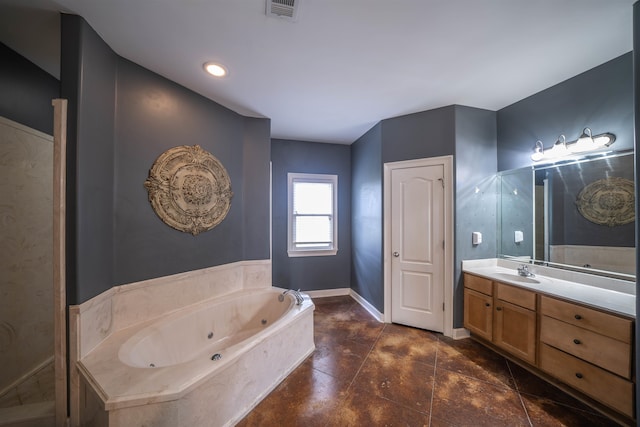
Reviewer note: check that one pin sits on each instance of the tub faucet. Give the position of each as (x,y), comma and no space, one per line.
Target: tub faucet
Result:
(298,296)
(523,271)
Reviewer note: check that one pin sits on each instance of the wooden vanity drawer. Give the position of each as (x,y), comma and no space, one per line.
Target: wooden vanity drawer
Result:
(517,296)
(610,354)
(607,324)
(479,284)
(604,386)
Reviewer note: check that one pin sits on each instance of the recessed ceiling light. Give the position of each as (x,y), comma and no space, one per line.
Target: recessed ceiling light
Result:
(214,69)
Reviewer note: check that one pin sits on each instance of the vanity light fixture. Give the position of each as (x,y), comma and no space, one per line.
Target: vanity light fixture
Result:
(585,143)
(559,149)
(215,69)
(538,151)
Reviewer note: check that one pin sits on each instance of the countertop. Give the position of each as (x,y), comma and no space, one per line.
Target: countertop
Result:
(613,295)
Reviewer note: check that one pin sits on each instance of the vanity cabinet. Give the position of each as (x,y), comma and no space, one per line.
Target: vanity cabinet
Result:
(590,350)
(515,321)
(502,314)
(478,306)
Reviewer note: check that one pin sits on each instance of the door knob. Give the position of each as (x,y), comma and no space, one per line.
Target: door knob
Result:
(396,254)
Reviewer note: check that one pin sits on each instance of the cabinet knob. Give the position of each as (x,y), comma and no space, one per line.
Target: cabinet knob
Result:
(578,317)
(578,375)
(396,254)
(487,304)
(499,308)
(576,341)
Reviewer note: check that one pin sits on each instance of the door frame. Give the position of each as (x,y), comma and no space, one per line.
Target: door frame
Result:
(447,163)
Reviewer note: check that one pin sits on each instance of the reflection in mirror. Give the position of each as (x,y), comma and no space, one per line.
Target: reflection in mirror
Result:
(579,215)
(515,213)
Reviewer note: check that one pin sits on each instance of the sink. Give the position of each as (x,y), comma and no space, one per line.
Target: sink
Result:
(516,278)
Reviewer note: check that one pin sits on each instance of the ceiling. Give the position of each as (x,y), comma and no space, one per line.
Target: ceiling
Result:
(342,66)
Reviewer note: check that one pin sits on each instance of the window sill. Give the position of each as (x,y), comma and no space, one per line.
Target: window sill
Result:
(295,254)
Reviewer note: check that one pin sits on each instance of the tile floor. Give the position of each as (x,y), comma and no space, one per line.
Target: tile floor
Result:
(364,373)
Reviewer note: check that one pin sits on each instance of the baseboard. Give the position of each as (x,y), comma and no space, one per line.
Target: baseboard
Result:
(367,306)
(338,292)
(460,333)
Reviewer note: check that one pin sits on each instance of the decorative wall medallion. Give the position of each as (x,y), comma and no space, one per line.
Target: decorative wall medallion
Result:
(189,189)
(609,201)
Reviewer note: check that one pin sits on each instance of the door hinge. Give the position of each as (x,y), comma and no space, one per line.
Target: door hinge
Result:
(443,306)
(443,244)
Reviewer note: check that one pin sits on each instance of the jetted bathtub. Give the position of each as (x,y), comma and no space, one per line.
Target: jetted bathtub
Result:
(205,364)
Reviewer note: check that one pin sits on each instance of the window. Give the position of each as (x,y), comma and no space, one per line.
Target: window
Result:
(313,211)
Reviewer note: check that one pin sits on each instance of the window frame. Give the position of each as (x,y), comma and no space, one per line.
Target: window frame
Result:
(292,250)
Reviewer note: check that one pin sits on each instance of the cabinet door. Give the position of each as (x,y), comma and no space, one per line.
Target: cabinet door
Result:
(515,330)
(478,313)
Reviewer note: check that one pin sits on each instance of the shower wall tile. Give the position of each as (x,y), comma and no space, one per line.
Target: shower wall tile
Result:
(26,242)
(10,398)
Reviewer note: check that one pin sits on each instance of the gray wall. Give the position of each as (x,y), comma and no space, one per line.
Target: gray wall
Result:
(419,135)
(317,272)
(475,166)
(122,117)
(426,134)
(26,91)
(88,76)
(366,224)
(256,188)
(601,99)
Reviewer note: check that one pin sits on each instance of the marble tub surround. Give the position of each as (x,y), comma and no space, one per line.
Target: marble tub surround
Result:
(611,294)
(608,258)
(120,382)
(126,305)
(121,307)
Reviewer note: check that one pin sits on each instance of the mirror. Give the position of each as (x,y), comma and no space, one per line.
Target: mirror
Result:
(578,214)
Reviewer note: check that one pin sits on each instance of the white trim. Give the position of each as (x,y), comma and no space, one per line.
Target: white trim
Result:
(292,251)
(460,334)
(315,252)
(367,306)
(339,292)
(447,164)
(324,293)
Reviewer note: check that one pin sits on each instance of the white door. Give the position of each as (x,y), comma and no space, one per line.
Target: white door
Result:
(417,245)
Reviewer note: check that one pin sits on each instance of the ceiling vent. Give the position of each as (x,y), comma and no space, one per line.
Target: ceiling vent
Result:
(284,9)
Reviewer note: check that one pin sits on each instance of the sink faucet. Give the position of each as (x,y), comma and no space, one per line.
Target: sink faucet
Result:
(523,271)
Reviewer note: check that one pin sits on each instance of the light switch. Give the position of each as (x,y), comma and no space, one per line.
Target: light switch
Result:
(476,238)
(518,236)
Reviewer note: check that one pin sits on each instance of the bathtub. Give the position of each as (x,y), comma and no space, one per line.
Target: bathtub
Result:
(205,364)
